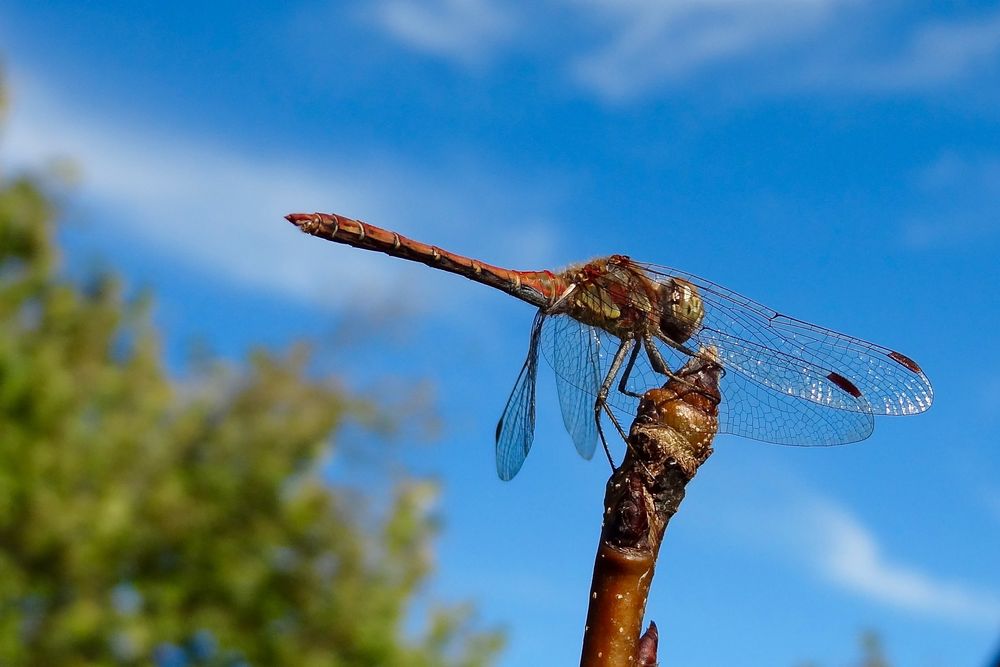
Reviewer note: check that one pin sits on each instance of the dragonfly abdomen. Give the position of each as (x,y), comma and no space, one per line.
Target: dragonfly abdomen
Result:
(539,288)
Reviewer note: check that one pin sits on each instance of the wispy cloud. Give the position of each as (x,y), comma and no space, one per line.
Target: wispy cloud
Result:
(782,517)
(784,45)
(650,44)
(469,31)
(849,555)
(620,50)
(220,209)
(937,54)
(959,202)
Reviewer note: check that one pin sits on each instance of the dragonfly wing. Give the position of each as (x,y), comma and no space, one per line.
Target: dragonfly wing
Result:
(574,351)
(770,347)
(760,412)
(781,372)
(749,408)
(516,428)
(893,383)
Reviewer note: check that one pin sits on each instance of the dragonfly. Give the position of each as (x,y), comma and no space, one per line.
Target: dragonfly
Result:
(613,327)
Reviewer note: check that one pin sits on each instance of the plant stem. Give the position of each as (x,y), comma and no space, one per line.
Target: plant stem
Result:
(668,441)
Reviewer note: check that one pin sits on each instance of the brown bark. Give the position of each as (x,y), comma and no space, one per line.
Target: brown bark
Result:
(669,439)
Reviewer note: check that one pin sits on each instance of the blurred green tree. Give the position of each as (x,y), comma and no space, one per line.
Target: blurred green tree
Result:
(872,653)
(148,520)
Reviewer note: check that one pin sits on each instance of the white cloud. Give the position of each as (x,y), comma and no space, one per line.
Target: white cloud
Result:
(469,31)
(620,50)
(200,203)
(651,43)
(778,515)
(781,45)
(222,210)
(848,554)
(937,54)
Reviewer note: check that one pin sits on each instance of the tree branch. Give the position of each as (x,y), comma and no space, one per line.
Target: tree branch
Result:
(670,438)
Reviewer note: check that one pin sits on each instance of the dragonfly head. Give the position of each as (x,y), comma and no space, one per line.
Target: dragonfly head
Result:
(681,309)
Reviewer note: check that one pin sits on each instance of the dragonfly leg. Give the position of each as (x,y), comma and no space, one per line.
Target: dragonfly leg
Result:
(614,420)
(656,357)
(659,364)
(601,404)
(623,388)
(623,384)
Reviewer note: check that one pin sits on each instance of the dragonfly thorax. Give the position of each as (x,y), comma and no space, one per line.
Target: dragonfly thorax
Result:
(611,294)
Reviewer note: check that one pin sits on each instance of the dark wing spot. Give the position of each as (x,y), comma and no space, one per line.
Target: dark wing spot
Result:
(905,361)
(844,384)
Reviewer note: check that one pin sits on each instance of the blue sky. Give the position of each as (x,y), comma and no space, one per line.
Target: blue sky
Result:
(837,160)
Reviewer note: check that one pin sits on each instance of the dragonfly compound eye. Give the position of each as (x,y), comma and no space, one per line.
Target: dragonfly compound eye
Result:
(682,309)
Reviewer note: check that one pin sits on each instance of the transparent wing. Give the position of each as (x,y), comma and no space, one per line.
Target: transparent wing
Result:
(785,354)
(574,349)
(749,407)
(760,412)
(516,428)
(782,373)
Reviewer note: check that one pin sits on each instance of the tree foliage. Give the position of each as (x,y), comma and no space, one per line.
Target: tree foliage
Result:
(872,653)
(144,519)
